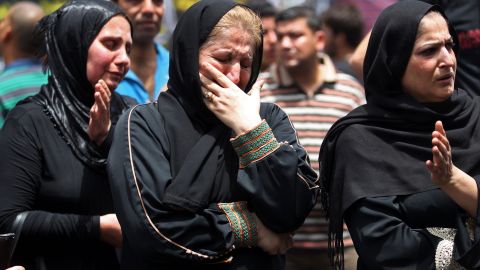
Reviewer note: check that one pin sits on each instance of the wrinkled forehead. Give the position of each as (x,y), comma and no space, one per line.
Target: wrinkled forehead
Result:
(433,20)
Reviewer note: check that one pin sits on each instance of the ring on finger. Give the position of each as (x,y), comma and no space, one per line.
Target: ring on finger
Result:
(210,96)
(205,94)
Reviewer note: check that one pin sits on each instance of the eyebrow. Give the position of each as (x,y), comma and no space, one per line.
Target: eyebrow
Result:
(436,42)
(224,50)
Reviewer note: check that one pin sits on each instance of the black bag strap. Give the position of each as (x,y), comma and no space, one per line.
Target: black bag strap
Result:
(17,228)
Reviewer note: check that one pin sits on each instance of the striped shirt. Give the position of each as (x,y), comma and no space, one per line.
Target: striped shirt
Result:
(19,80)
(312,117)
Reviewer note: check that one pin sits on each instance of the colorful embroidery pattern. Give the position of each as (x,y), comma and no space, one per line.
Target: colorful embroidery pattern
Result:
(242,222)
(255,144)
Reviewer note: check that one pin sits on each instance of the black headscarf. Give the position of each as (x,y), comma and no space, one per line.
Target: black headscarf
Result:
(190,33)
(68,96)
(204,162)
(388,140)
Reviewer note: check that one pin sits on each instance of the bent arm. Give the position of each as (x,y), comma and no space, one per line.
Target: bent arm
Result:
(153,227)
(358,56)
(384,241)
(281,184)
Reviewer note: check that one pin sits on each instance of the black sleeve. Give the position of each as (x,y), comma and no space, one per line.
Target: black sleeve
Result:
(21,168)
(467,239)
(384,241)
(282,185)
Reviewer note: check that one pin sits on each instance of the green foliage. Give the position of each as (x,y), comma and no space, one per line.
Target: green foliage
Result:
(48,6)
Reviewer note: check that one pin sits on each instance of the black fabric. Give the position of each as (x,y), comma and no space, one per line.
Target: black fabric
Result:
(141,166)
(190,33)
(379,225)
(68,96)
(388,140)
(41,176)
(207,169)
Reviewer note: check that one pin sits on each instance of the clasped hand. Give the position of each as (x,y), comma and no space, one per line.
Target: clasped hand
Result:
(229,103)
(100,123)
(271,242)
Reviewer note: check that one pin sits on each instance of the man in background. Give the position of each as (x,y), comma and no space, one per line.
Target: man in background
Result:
(23,75)
(148,73)
(343,26)
(314,96)
(267,14)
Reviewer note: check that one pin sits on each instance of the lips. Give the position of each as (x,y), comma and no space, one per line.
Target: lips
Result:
(446,77)
(116,76)
(147,23)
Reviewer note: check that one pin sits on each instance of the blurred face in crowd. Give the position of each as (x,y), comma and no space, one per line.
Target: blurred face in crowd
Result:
(108,55)
(231,53)
(146,16)
(269,41)
(4,28)
(330,41)
(297,42)
(430,73)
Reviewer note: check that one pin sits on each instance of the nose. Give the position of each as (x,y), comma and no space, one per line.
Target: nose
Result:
(271,37)
(234,73)
(285,42)
(447,58)
(123,59)
(148,7)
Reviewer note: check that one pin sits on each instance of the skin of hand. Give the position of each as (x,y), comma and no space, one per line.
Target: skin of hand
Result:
(235,108)
(441,168)
(16,268)
(100,123)
(110,230)
(358,56)
(271,242)
(458,185)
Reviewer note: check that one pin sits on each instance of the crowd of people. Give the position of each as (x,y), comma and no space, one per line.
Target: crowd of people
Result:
(265,137)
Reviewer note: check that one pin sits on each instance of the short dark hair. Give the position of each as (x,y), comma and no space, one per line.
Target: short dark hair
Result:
(298,12)
(23,26)
(262,8)
(344,19)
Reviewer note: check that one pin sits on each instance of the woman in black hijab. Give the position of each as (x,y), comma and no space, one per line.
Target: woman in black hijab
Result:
(374,173)
(186,193)
(54,190)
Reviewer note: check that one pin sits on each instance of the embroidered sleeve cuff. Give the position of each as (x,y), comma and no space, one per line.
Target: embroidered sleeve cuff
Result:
(242,222)
(255,144)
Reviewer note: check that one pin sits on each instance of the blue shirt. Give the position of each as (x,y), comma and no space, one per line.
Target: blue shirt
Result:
(20,79)
(133,87)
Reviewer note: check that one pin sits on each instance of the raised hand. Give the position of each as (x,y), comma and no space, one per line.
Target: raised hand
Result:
(458,185)
(235,108)
(100,123)
(441,166)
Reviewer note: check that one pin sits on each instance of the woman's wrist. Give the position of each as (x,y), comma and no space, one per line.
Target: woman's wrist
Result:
(242,222)
(255,144)
(456,179)
(243,127)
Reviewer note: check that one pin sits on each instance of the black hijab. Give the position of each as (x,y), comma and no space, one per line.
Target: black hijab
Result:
(68,96)
(201,156)
(190,33)
(388,140)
